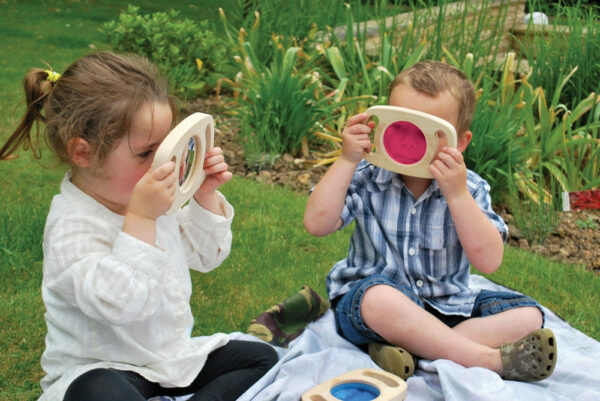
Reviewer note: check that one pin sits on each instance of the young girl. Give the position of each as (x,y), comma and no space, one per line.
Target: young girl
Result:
(116,283)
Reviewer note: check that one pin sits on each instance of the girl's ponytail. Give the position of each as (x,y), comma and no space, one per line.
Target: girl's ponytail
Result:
(38,84)
(96,98)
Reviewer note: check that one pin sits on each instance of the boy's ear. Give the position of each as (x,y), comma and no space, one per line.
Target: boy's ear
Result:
(463,141)
(80,152)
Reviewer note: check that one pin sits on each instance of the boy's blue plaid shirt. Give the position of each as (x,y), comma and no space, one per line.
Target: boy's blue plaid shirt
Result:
(411,241)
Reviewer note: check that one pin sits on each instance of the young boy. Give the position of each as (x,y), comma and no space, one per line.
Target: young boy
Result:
(404,287)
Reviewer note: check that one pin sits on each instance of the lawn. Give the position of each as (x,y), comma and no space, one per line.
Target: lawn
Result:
(272,255)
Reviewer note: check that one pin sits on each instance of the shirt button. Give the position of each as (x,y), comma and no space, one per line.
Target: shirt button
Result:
(419,283)
(411,251)
(413,211)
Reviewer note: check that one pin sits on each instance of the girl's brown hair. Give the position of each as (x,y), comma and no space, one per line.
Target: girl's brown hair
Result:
(434,77)
(96,98)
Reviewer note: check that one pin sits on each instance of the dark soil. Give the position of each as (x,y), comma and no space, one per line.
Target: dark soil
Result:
(575,240)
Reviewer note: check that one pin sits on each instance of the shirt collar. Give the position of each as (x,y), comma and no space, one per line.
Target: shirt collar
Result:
(382,179)
(75,195)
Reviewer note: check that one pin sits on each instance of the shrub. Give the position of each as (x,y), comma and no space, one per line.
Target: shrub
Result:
(263,20)
(278,108)
(188,53)
(554,50)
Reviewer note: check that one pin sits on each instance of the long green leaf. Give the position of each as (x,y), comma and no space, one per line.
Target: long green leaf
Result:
(337,62)
(341,89)
(349,31)
(583,107)
(386,52)
(251,58)
(289,60)
(363,67)
(561,85)
(414,57)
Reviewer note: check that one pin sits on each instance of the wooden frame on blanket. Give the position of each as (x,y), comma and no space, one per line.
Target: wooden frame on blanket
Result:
(376,385)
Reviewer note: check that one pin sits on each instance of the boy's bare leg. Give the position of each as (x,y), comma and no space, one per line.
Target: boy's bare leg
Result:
(400,321)
(505,327)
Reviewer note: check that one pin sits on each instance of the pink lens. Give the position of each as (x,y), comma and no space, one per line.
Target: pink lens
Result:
(404,142)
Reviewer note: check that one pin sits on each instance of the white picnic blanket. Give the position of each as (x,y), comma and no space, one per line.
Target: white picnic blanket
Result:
(320,354)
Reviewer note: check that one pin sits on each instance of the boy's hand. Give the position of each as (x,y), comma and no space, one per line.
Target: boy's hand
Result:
(450,171)
(355,138)
(154,193)
(216,172)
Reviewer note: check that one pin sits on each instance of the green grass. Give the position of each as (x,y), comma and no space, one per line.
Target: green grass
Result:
(568,290)
(271,258)
(272,255)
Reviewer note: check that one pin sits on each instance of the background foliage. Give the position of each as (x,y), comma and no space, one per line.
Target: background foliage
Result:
(189,53)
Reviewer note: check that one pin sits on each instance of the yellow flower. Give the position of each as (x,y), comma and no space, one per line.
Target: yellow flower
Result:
(199,64)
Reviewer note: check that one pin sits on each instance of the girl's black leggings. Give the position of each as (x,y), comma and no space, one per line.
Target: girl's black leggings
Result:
(229,371)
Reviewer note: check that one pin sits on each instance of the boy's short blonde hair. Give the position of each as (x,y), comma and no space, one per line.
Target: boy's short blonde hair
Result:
(434,77)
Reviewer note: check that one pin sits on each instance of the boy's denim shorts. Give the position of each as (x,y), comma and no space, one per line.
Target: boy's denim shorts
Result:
(350,324)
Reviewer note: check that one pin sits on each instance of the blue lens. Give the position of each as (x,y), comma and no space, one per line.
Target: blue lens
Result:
(355,392)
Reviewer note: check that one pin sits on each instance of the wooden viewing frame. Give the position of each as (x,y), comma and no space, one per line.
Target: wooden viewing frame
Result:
(389,386)
(429,126)
(197,129)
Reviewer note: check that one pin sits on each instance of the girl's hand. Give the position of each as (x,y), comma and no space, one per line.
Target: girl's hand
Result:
(154,193)
(355,138)
(216,172)
(450,171)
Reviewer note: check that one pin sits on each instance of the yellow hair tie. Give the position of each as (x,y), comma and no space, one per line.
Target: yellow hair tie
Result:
(52,76)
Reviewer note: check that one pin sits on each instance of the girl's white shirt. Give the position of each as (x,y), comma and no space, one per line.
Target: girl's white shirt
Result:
(114,301)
